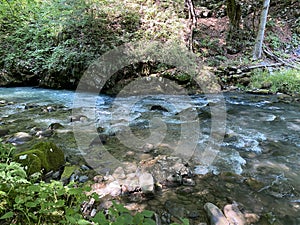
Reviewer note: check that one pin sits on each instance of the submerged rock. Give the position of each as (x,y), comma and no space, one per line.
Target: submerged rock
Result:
(20,138)
(158,108)
(3,132)
(55,126)
(44,133)
(75,118)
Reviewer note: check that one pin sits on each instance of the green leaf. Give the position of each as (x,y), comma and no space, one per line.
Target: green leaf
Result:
(147,213)
(149,221)
(30,204)
(83,222)
(100,218)
(7,216)
(184,222)
(138,218)
(71,219)
(120,208)
(75,191)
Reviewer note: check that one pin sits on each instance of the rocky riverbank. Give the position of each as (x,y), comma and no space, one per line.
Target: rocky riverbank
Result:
(151,177)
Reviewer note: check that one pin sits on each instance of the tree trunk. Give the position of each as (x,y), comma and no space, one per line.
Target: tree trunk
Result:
(234,14)
(261,32)
(192,22)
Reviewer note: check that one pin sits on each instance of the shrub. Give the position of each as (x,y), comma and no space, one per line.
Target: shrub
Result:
(285,81)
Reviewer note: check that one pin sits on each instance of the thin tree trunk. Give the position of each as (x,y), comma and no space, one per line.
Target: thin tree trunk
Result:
(192,22)
(261,32)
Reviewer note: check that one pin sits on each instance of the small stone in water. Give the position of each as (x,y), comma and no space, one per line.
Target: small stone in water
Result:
(188,182)
(251,218)
(84,167)
(83,179)
(148,148)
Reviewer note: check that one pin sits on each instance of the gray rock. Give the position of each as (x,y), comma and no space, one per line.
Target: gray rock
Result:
(83,179)
(54,126)
(44,133)
(20,137)
(75,118)
(158,108)
(31,106)
(188,182)
(234,215)
(74,177)
(84,167)
(34,130)
(119,173)
(148,148)
(215,214)
(146,182)
(56,175)
(50,109)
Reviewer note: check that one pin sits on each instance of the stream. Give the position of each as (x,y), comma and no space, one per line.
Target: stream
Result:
(254,141)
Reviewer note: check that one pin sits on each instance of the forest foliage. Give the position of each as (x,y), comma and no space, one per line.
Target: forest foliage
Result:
(57,40)
(51,43)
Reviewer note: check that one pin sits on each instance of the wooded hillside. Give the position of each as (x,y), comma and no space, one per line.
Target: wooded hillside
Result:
(51,43)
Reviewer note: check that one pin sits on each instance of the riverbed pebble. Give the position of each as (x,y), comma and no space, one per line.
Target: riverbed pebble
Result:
(215,214)
(234,215)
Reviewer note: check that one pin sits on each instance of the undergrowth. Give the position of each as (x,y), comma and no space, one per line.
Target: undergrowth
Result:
(31,201)
(284,81)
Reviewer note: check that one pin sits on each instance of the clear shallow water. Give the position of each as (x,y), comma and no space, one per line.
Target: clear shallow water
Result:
(262,134)
(24,95)
(251,121)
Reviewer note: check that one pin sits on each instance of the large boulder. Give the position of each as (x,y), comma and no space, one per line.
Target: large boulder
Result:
(43,157)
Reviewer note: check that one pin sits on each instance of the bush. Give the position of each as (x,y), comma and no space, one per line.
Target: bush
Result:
(285,81)
(24,201)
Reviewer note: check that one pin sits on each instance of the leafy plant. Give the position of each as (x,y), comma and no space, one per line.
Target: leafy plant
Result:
(119,215)
(286,81)
(25,202)
(29,202)
(6,152)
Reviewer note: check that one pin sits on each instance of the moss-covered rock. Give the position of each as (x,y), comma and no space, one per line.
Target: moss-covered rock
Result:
(43,157)
(68,171)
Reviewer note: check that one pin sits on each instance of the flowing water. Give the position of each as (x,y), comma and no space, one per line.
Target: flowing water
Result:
(256,136)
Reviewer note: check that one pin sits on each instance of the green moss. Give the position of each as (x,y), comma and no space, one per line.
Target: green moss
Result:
(183,77)
(30,161)
(68,171)
(44,156)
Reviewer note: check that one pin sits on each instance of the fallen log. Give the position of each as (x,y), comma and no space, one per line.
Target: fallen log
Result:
(269,53)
